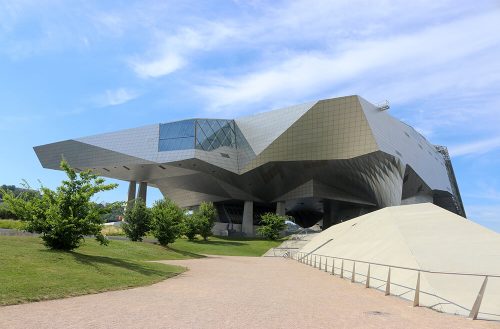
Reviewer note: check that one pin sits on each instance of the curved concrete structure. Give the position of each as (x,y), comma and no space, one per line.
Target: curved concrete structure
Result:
(424,237)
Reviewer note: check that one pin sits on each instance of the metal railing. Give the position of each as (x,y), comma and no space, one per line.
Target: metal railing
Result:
(315,260)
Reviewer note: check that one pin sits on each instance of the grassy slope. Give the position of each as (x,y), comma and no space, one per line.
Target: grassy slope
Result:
(31,272)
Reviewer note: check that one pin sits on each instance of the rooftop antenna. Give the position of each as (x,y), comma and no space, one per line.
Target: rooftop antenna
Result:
(384,105)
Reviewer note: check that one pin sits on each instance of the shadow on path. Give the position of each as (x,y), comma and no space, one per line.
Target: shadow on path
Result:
(94,261)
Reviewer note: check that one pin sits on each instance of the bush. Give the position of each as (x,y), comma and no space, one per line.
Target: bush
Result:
(271,226)
(190,226)
(137,220)
(6,213)
(166,221)
(13,224)
(65,216)
(206,216)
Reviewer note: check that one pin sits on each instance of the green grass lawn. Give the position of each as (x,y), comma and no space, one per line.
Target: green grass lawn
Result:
(31,272)
(225,246)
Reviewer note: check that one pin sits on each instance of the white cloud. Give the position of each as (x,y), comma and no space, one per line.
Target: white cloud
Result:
(402,56)
(166,64)
(172,51)
(117,97)
(477,147)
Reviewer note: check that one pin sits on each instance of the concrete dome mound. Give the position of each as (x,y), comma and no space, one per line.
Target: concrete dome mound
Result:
(423,237)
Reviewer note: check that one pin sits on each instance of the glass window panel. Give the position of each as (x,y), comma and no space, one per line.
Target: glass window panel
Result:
(173,144)
(212,134)
(177,129)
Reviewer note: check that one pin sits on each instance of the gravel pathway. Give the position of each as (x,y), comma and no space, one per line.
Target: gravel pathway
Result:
(235,292)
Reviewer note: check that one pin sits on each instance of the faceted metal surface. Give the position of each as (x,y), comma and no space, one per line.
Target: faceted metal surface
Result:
(342,152)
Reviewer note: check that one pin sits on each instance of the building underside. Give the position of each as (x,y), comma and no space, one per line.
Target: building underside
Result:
(333,159)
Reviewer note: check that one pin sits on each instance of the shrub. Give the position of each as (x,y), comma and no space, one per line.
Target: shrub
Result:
(271,226)
(13,224)
(137,220)
(6,213)
(190,226)
(206,216)
(65,216)
(166,221)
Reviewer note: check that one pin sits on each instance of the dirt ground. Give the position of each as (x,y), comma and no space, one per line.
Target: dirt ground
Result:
(236,292)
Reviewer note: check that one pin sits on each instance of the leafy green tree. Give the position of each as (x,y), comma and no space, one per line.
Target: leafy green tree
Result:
(137,220)
(206,216)
(190,226)
(65,216)
(271,225)
(166,221)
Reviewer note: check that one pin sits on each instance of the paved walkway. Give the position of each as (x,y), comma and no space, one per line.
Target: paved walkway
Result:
(235,292)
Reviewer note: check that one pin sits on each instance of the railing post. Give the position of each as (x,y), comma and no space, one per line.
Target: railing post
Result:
(353,271)
(367,285)
(333,266)
(342,270)
(388,286)
(315,262)
(477,304)
(416,299)
(319,267)
(326,264)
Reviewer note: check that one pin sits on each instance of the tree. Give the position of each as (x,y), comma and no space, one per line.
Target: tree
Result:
(190,226)
(271,225)
(65,216)
(137,220)
(206,216)
(166,221)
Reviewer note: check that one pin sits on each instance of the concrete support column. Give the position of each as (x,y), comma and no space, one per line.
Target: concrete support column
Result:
(132,186)
(247,224)
(329,210)
(131,190)
(143,188)
(280,208)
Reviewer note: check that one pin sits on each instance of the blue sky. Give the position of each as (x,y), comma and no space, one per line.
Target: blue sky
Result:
(75,68)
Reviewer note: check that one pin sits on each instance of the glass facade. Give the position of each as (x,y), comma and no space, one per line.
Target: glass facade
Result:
(212,134)
(176,136)
(202,134)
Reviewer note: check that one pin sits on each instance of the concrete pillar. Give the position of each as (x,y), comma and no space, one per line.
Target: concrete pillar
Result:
(247,224)
(132,186)
(131,190)
(143,188)
(280,208)
(329,210)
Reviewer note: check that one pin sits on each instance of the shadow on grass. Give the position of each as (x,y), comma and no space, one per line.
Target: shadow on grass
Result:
(184,253)
(94,261)
(219,243)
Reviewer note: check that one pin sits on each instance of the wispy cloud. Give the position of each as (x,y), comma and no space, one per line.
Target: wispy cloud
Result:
(411,56)
(117,97)
(172,51)
(166,64)
(476,147)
